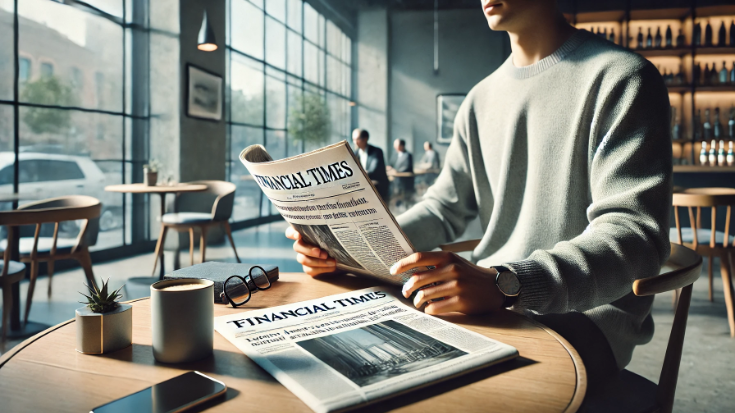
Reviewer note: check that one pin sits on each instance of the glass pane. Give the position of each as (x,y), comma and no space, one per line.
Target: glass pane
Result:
(321,32)
(311,28)
(320,63)
(347,81)
(334,110)
(311,66)
(294,14)
(247,194)
(246,90)
(275,37)
(111,217)
(7,57)
(277,9)
(275,103)
(334,74)
(295,47)
(346,49)
(247,28)
(334,39)
(7,156)
(66,41)
(275,142)
(258,3)
(113,7)
(164,15)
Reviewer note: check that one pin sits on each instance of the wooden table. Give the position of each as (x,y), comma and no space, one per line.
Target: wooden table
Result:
(45,373)
(161,190)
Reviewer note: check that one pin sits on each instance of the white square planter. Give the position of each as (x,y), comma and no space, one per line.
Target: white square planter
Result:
(103,333)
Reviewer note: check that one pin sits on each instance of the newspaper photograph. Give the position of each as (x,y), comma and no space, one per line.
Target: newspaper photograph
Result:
(358,347)
(329,199)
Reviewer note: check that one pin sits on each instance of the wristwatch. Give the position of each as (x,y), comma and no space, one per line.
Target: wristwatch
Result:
(508,284)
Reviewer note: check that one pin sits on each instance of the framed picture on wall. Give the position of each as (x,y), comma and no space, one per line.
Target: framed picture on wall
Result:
(447,107)
(203,94)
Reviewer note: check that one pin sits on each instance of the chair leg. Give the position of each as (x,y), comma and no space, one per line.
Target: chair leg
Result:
(7,306)
(710,261)
(191,246)
(31,287)
(86,262)
(50,266)
(203,243)
(675,298)
(727,287)
(232,242)
(159,247)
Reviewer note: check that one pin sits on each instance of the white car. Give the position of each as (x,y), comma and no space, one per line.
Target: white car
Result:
(45,175)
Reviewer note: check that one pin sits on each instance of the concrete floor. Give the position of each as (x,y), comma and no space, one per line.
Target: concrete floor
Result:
(706,379)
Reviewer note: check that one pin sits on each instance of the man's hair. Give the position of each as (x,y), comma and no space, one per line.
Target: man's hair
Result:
(401,142)
(363,133)
(430,145)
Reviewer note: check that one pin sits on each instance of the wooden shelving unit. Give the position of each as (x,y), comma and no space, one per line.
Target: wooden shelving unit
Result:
(695,96)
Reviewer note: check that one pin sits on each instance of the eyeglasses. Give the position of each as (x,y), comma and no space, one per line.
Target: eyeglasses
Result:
(238,290)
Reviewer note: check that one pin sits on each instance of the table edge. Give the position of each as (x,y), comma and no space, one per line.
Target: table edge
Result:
(579,369)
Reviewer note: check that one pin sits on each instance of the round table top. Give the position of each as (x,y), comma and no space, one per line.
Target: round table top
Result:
(15,196)
(45,373)
(160,189)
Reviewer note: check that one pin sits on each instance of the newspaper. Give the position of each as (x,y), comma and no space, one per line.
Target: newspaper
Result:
(330,200)
(358,347)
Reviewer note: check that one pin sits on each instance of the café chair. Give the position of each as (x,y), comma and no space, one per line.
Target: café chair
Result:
(50,249)
(11,272)
(629,392)
(222,194)
(711,242)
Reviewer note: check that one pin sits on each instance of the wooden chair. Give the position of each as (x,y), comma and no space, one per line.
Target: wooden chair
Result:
(48,249)
(10,272)
(709,242)
(223,194)
(630,392)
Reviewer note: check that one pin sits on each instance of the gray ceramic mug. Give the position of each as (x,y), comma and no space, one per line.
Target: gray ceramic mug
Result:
(182,320)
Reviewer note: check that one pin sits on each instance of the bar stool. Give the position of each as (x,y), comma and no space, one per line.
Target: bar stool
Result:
(708,242)
(11,272)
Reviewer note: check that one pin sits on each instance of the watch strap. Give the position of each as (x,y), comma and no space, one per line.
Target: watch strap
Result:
(508,300)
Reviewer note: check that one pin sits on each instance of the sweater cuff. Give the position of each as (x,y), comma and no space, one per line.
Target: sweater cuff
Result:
(535,284)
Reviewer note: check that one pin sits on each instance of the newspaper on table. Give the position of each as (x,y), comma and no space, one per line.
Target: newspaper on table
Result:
(330,200)
(358,347)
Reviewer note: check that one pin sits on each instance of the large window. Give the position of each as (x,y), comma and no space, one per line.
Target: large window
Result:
(282,55)
(74,130)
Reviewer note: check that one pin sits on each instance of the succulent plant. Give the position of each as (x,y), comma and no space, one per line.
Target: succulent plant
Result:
(99,301)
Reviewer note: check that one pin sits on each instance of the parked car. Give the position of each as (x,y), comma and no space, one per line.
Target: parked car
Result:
(46,175)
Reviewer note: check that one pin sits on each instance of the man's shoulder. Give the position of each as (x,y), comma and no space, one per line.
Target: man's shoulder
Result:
(374,150)
(599,56)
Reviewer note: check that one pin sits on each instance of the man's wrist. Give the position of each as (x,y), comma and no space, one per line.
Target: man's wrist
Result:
(507,282)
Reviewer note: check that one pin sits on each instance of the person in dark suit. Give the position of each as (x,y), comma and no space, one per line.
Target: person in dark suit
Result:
(403,163)
(372,161)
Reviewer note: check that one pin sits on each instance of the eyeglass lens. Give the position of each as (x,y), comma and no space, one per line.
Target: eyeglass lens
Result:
(237,290)
(260,278)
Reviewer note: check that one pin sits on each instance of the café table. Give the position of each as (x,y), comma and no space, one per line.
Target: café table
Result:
(45,373)
(162,191)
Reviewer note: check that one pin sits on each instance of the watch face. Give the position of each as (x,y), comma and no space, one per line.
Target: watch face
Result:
(509,283)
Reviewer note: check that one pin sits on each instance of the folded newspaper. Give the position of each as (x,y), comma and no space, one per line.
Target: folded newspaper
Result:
(355,348)
(330,200)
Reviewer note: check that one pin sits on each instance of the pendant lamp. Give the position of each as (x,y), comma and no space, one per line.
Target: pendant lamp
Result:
(206,41)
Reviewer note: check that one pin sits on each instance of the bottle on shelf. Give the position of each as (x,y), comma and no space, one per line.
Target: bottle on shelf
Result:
(697,34)
(705,75)
(612,35)
(676,127)
(731,123)
(730,156)
(714,77)
(657,39)
(697,125)
(712,153)
(716,125)
(721,154)
(696,76)
(679,78)
(593,30)
(603,33)
(707,126)
(668,36)
(722,35)
(732,33)
(708,35)
(680,39)
(732,73)
(723,74)
(703,154)
(649,39)
(639,39)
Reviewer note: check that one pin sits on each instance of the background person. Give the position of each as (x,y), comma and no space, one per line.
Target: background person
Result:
(372,161)
(430,161)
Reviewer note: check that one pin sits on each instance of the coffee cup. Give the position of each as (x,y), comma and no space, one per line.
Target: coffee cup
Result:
(182,320)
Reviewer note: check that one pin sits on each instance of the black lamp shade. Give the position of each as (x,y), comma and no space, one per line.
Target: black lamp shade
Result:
(206,41)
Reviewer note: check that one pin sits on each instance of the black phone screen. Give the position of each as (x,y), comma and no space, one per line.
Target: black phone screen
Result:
(172,395)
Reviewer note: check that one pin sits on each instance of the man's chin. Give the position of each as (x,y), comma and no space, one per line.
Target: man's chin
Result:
(496,23)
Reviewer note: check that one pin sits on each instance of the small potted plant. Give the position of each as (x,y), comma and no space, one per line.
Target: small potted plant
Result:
(150,173)
(103,325)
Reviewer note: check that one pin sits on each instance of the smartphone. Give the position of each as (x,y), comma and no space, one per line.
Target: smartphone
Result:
(173,395)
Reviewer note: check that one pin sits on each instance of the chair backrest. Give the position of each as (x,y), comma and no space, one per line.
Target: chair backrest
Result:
(219,194)
(57,210)
(704,198)
(680,271)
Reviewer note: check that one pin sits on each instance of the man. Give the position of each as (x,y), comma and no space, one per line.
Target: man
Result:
(564,154)
(430,161)
(403,163)
(372,161)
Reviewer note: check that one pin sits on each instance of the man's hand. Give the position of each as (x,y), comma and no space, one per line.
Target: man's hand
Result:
(464,287)
(313,260)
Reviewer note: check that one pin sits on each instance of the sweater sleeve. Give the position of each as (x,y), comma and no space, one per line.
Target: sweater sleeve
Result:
(449,204)
(630,186)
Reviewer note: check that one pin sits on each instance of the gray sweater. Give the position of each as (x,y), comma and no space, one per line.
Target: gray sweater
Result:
(567,163)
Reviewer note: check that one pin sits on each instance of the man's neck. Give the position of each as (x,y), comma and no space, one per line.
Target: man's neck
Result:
(535,43)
